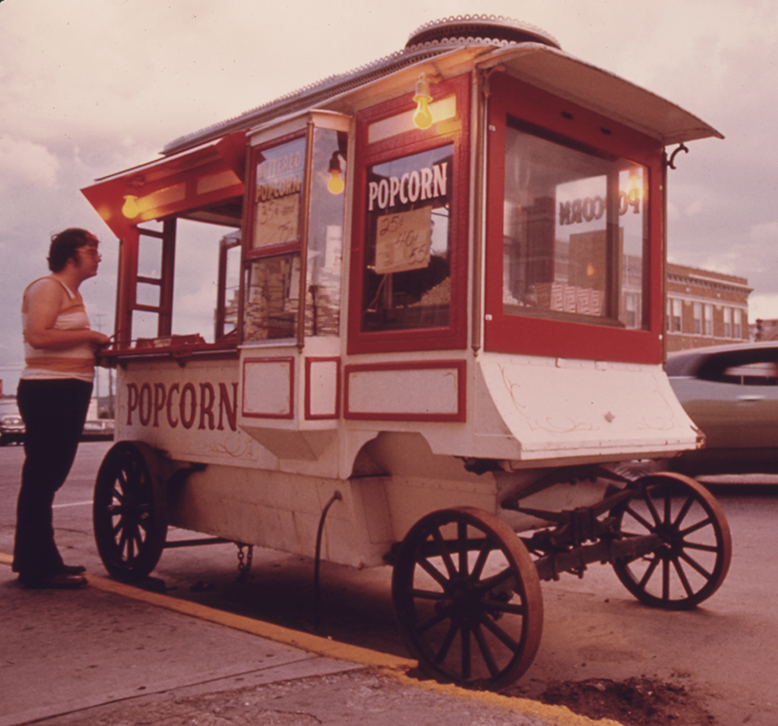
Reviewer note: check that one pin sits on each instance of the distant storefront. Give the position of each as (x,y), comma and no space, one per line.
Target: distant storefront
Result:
(705,308)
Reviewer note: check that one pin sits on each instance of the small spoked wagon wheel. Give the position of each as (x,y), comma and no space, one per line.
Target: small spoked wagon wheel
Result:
(468,598)
(129,512)
(696,546)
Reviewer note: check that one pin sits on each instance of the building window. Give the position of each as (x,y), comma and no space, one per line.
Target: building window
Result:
(708,319)
(737,325)
(697,314)
(727,322)
(674,315)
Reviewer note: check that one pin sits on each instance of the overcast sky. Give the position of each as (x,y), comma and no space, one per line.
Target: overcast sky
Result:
(92,87)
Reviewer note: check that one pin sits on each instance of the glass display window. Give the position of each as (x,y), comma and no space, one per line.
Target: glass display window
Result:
(409,246)
(293,258)
(574,235)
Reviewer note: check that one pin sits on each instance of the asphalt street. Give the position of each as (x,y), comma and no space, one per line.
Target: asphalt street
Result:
(104,644)
(113,654)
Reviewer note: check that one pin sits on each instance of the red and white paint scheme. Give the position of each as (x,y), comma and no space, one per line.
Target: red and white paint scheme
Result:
(437,287)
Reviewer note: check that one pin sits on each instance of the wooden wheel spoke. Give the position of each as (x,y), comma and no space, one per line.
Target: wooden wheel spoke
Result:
(483,556)
(700,547)
(462,547)
(652,509)
(682,577)
(649,571)
(668,510)
(431,623)
(466,652)
(499,633)
(665,579)
(696,565)
(426,595)
(444,552)
(687,505)
(505,607)
(495,581)
(433,572)
(485,651)
(639,518)
(696,527)
(445,646)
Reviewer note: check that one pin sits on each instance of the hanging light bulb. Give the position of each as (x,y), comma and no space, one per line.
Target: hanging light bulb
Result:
(335,184)
(423,116)
(635,191)
(130,208)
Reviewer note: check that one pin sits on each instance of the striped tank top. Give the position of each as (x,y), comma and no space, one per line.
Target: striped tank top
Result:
(77,362)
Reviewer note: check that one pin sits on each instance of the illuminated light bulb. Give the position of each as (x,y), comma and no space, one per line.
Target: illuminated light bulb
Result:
(335,184)
(130,208)
(423,116)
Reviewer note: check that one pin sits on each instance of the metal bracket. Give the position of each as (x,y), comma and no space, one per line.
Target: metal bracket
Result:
(671,161)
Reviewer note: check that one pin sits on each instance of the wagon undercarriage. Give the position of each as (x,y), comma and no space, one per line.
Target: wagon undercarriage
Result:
(466,587)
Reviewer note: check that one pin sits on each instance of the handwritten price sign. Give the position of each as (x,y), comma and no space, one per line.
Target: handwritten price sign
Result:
(276,220)
(403,241)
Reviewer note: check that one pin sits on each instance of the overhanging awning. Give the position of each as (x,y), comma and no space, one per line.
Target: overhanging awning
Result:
(192,183)
(559,73)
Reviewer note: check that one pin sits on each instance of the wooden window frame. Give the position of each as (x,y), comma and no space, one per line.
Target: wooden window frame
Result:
(546,336)
(450,132)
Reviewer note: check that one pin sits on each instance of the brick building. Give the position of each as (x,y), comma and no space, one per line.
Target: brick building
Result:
(705,308)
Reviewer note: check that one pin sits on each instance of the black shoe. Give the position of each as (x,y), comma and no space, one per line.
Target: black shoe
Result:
(73,569)
(60,581)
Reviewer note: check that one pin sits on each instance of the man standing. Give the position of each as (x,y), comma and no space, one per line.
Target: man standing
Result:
(54,392)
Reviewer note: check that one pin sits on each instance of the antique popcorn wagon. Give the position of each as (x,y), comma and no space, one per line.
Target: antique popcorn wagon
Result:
(433,300)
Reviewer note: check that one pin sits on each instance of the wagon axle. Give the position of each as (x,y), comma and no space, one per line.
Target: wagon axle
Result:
(576,559)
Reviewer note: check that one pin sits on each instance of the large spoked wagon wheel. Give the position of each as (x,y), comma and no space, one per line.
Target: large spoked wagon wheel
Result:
(129,511)
(696,546)
(468,598)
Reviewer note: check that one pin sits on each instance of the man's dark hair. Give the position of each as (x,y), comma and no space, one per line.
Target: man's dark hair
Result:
(64,246)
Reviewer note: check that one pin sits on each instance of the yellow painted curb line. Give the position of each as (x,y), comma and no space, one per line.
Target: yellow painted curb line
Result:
(390,665)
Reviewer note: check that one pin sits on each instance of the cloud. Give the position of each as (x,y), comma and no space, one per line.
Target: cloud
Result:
(23,161)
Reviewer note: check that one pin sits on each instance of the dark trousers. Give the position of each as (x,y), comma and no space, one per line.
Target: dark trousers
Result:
(54,412)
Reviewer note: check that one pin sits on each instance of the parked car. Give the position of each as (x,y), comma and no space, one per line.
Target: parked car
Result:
(11,429)
(731,393)
(100,429)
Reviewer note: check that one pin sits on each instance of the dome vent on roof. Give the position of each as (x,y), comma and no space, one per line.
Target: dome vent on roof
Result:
(485,27)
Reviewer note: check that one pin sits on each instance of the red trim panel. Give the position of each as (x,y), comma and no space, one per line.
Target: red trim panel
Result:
(313,416)
(273,415)
(460,414)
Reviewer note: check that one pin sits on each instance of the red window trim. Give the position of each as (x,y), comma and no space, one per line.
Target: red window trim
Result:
(560,338)
(411,142)
(282,248)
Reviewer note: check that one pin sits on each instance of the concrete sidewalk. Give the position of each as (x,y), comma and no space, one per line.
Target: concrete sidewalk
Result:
(115,654)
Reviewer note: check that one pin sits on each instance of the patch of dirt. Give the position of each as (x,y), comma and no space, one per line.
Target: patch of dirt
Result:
(633,702)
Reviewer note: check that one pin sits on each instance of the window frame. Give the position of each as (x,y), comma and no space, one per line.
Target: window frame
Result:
(251,253)
(547,335)
(448,132)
